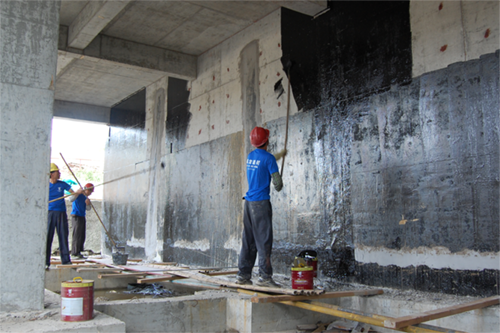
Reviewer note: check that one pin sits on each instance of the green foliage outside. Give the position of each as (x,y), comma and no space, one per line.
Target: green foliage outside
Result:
(84,176)
(90,176)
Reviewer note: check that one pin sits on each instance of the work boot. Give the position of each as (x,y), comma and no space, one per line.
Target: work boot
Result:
(269,283)
(241,280)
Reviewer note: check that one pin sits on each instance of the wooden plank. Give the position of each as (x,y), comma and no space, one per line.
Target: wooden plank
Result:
(160,279)
(134,260)
(334,294)
(102,269)
(396,323)
(122,275)
(209,279)
(218,273)
(59,262)
(73,265)
(372,319)
(165,263)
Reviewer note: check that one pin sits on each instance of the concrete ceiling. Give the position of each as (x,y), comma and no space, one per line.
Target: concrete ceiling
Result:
(108,50)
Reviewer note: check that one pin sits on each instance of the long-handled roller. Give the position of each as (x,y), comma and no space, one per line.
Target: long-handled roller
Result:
(118,257)
(289,66)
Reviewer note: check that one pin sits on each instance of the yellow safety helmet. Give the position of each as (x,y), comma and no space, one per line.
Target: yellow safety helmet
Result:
(53,167)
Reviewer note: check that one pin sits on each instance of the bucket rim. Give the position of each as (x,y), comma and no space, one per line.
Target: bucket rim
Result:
(305,268)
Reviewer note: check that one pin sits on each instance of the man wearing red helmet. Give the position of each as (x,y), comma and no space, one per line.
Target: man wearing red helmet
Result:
(257,217)
(81,204)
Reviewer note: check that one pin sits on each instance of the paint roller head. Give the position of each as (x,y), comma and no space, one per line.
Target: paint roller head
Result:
(287,65)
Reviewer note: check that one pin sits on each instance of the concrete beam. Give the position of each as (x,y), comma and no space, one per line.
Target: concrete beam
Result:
(79,111)
(306,7)
(172,63)
(91,20)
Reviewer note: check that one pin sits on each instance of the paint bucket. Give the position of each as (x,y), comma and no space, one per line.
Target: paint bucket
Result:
(120,258)
(311,258)
(77,300)
(302,277)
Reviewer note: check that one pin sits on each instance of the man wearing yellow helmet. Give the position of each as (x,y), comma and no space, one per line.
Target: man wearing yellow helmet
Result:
(57,218)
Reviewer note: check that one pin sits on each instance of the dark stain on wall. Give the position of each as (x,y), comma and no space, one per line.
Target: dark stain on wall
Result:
(437,169)
(389,148)
(355,49)
(178,114)
(458,282)
(130,112)
(351,52)
(433,167)
(125,207)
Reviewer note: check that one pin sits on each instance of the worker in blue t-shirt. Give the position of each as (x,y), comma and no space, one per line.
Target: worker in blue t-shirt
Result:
(57,218)
(257,217)
(81,203)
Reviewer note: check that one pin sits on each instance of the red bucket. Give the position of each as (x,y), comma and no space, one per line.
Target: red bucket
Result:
(302,277)
(77,300)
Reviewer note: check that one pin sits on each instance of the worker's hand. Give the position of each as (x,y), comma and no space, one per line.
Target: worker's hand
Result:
(79,191)
(87,201)
(280,154)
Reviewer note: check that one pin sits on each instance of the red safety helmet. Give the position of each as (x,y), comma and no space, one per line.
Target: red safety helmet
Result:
(259,136)
(89,186)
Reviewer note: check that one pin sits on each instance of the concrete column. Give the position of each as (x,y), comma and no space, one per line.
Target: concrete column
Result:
(156,116)
(28,56)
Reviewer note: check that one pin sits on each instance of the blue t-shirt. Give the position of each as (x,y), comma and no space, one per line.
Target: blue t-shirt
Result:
(260,166)
(79,206)
(56,191)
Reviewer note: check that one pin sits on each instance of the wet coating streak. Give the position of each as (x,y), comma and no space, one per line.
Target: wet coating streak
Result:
(431,257)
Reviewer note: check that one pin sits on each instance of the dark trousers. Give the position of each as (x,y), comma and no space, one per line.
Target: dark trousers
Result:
(257,237)
(58,221)
(79,224)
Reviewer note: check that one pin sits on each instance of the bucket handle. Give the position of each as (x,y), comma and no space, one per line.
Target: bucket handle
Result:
(77,279)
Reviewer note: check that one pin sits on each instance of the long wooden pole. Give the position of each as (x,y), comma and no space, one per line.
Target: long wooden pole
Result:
(107,233)
(287,116)
(110,181)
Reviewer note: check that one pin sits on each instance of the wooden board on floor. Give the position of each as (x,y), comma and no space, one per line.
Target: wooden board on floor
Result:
(334,294)
(59,262)
(160,279)
(121,275)
(102,270)
(182,272)
(73,265)
(218,273)
(225,283)
(399,322)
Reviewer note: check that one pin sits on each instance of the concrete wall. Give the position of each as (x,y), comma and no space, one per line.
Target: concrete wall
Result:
(28,53)
(392,171)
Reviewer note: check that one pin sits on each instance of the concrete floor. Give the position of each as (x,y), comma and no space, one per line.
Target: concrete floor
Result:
(225,310)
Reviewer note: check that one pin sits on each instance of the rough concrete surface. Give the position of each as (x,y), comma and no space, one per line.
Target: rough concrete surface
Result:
(28,42)
(48,320)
